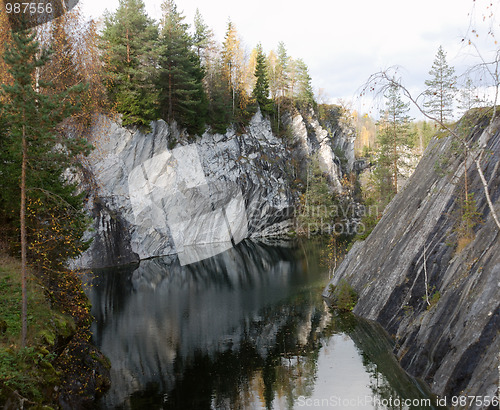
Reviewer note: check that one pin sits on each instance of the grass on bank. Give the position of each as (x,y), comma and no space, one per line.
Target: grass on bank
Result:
(28,371)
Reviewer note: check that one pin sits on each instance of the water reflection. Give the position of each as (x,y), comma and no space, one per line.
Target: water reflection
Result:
(244,329)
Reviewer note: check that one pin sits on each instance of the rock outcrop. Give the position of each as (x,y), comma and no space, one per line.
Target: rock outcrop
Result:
(310,138)
(342,132)
(198,199)
(453,341)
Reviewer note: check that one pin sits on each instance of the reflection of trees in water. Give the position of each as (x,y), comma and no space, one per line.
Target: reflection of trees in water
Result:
(238,379)
(204,332)
(240,330)
(379,384)
(387,379)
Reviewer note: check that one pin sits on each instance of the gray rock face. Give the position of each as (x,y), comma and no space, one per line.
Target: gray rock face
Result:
(454,343)
(310,138)
(196,199)
(342,132)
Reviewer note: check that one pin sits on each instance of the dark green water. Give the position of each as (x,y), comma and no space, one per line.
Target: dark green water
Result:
(246,329)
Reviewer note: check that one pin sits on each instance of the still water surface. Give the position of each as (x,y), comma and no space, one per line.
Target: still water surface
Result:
(246,329)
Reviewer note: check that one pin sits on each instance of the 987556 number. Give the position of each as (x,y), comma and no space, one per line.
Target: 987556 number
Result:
(31,8)
(469,401)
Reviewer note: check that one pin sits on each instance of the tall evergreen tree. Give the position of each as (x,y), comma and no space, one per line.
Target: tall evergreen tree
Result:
(182,97)
(261,89)
(220,101)
(280,83)
(441,89)
(394,136)
(304,90)
(35,157)
(468,97)
(292,78)
(272,65)
(129,41)
(202,37)
(282,70)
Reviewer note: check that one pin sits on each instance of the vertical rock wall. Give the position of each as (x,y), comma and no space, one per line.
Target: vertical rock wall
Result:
(454,343)
(197,199)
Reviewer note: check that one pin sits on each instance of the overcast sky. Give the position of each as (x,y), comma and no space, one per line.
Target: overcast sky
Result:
(343,41)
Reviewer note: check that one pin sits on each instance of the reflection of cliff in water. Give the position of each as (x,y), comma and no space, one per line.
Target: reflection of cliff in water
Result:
(387,379)
(243,329)
(159,320)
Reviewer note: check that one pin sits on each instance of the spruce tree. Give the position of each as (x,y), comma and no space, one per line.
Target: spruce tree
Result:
(182,97)
(304,91)
(35,158)
(394,136)
(441,89)
(129,55)
(261,89)
(202,38)
(468,97)
(220,101)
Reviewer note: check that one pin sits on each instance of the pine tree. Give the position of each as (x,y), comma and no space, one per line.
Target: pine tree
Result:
(292,78)
(272,65)
(468,97)
(279,67)
(304,90)
(261,89)
(182,97)
(129,40)
(282,70)
(202,38)
(220,101)
(441,89)
(394,136)
(35,159)
(5,37)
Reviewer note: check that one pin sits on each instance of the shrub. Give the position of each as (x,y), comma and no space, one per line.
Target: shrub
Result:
(434,299)
(469,219)
(343,296)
